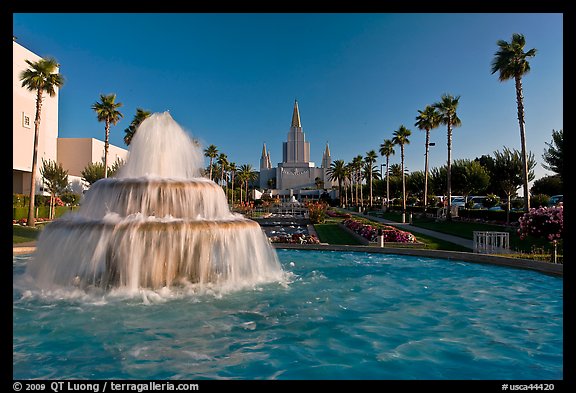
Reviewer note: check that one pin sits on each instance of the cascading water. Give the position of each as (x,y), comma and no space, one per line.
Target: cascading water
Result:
(157,224)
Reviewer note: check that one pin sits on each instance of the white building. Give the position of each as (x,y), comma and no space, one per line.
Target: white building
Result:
(296,172)
(74,154)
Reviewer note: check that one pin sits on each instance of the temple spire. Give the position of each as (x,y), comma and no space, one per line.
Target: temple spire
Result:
(296,116)
(264,154)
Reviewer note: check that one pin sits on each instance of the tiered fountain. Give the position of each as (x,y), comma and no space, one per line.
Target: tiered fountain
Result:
(157,224)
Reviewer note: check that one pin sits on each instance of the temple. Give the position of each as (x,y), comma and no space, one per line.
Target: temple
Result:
(296,173)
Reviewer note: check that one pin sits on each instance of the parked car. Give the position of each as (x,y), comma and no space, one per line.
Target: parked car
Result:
(459,201)
(555,200)
(477,202)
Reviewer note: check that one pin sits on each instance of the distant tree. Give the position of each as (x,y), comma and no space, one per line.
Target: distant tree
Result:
(549,185)
(318,182)
(246,174)
(115,167)
(401,138)
(93,172)
(337,172)
(554,155)
(370,159)
(232,168)
(447,107)
(139,117)
(222,162)
(357,164)
(511,62)
(509,173)
(55,180)
(387,150)
(211,152)
(427,120)
(415,184)
(41,77)
(438,180)
(469,177)
(107,111)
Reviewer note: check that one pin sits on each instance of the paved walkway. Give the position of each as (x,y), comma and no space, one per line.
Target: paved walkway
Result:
(411,228)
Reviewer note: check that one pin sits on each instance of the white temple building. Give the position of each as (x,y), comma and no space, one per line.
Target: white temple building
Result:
(296,173)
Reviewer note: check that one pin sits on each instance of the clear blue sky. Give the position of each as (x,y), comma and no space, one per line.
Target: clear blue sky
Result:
(231,79)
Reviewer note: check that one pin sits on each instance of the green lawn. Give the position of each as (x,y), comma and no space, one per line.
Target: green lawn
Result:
(331,233)
(21,234)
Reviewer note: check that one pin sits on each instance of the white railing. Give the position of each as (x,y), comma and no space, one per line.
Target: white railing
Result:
(489,242)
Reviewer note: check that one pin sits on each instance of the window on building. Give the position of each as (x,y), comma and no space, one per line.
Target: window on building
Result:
(26,123)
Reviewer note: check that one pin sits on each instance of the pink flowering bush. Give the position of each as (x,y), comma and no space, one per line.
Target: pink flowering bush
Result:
(370,232)
(544,222)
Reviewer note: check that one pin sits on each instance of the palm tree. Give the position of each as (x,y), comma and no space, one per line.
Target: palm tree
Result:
(357,165)
(427,120)
(387,149)
(511,62)
(337,171)
(370,159)
(447,110)
(42,76)
(223,162)
(246,174)
(211,152)
(401,138)
(139,117)
(232,169)
(107,111)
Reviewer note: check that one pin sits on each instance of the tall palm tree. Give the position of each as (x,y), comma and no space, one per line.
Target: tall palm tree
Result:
(41,77)
(246,174)
(370,159)
(107,111)
(401,138)
(232,168)
(447,107)
(511,62)
(211,152)
(337,171)
(139,117)
(223,162)
(427,120)
(387,150)
(357,165)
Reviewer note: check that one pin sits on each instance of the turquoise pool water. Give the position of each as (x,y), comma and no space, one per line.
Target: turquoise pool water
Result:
(342,316)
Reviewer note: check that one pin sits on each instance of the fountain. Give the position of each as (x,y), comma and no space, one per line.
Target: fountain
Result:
(157,224)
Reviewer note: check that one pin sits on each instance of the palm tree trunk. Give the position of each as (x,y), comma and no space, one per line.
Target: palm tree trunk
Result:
(387,182)
(403,182)
(361,191)
(449,173)
(31,218)
(370,185)
(232,189)
(519,101)
(426,171)
(106,144)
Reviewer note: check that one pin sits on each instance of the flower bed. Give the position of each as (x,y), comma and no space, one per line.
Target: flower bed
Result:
(295,239)
(333,213)
(370,232)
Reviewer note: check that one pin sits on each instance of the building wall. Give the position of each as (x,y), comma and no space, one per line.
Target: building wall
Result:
(74,154)
(24,108)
